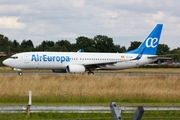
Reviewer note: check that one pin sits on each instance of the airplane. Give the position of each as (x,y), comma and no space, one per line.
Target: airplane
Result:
(80,62)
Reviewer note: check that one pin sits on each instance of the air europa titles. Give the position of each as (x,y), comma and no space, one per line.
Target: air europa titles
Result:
(49,58)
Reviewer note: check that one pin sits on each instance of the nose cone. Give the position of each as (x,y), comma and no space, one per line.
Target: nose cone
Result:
(6,62)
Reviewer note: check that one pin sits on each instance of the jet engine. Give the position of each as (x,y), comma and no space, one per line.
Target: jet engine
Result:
(75,69)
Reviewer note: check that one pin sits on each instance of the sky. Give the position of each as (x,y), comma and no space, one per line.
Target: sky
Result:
(123,20)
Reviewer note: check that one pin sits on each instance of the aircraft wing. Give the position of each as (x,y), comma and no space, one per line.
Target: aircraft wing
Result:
(96,65)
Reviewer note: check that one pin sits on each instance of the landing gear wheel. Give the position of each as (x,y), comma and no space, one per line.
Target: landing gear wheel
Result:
(19,73)
(90,73)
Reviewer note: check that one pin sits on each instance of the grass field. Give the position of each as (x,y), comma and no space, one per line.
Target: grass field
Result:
(84,89)
(155,115)
(77,89)
(57,116)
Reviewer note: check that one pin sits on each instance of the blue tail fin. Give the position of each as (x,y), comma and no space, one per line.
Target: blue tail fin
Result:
(150,44)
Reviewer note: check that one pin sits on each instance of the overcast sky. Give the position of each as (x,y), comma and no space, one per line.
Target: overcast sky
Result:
(123,20)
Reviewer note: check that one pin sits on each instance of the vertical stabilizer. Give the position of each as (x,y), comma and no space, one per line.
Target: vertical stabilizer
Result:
(150,44)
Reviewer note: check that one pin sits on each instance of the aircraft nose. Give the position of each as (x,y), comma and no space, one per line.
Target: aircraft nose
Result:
(6,62)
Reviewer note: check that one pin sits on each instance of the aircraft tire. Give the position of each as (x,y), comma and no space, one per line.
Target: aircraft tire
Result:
(20,73)
(90,73)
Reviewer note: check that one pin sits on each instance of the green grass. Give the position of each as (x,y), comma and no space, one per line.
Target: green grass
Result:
(162,115)
(64,116)
(155,115)
(13,100)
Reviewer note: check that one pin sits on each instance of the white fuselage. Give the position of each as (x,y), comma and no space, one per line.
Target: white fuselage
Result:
(60,60)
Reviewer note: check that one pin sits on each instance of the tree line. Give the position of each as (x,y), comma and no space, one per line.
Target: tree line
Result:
(99,43)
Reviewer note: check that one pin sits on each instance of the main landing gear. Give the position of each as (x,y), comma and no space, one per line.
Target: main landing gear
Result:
(20,73)
(90,72)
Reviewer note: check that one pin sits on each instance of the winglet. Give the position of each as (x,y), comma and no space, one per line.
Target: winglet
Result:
(80,50)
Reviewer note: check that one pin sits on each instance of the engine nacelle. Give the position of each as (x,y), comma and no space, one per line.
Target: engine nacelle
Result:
(75,69)
(59,71)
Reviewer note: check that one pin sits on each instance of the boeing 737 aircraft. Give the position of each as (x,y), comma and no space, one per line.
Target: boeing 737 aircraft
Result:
(80,62)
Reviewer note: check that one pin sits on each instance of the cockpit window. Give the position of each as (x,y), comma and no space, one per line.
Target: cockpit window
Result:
(14,57)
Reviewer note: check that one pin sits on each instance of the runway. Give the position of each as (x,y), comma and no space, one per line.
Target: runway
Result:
(96,74)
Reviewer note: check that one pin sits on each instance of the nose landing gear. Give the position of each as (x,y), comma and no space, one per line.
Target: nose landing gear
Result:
(17,69)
